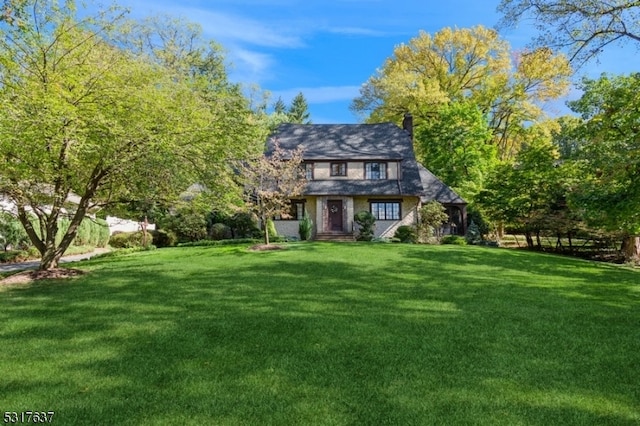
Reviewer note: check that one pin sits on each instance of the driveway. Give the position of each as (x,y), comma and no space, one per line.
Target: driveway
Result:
(33,264)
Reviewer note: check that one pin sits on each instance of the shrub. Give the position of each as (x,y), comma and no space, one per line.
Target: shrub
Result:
(271,228)
(453,239)
(475,215)
(473,235)
(305,227)
(366,221)
(432,216)
(130,239)
(188,224)
(164,238)
(103,233)
(244,225)
(83,234)
(219,231)
(13,256)
(12,233)
(405,234)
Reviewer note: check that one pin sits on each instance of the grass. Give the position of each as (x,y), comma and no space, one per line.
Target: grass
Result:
(351,334)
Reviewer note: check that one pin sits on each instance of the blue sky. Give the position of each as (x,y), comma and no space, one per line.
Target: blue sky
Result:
(327,49)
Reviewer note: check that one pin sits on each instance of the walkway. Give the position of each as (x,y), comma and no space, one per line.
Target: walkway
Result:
(33,264)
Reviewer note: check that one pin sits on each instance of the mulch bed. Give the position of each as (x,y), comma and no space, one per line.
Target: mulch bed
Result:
(266,247)
(27,277)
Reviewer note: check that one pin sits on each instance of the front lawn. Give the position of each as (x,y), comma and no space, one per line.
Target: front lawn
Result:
(321,333)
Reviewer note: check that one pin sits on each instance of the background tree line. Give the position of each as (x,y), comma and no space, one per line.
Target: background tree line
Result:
(127,114)
(480,125)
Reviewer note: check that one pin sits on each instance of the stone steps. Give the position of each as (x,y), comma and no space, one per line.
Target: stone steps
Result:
(335,237)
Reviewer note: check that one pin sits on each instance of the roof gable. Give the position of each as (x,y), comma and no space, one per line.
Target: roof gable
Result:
(435,189)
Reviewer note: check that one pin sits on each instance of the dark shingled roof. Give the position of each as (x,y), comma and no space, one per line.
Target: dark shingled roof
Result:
(361,142)
(435,189)
(346,141)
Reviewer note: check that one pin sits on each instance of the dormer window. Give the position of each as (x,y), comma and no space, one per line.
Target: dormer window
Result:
(339,168)
(375,171)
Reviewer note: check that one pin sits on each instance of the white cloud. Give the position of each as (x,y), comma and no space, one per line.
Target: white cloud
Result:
(357,31)
(225,27)
(247,63)
(320,95)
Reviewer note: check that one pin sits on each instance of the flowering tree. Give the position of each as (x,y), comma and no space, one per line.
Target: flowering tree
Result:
(272,180)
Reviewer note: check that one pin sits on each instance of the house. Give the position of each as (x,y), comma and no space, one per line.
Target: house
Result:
(355,167)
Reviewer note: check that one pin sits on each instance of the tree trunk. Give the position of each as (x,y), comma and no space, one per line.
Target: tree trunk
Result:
(529,238)
(570,242)
(266,230)
(631,248)
(52,253)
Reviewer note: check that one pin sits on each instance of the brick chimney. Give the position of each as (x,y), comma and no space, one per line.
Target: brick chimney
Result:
(407,124)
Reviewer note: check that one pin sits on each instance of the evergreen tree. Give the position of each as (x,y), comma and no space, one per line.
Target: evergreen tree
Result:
(279,107)
(299,110)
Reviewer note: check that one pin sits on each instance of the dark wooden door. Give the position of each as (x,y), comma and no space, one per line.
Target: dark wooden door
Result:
(335,215)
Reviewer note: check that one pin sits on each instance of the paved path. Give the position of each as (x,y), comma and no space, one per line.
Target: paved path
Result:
(33,264)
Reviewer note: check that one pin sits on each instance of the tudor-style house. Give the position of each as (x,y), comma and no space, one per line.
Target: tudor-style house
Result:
(355,167)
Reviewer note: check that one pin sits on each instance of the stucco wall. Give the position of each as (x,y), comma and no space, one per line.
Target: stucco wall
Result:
(387,228)
(355,170)
(290,228)
(316,208)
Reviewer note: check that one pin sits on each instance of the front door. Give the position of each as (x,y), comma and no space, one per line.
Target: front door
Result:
(335,215)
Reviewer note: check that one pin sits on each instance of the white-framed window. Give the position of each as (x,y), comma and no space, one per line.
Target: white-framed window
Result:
(385,209)
(308,171)
(339,168)
(375,170)
(297,209)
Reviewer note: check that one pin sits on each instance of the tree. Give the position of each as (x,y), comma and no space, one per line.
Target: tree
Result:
(581,27)
(279,107)
(529,193)
(471,65)
(84,113)
(609,194)
(271,180)
(455,145)
(299,110)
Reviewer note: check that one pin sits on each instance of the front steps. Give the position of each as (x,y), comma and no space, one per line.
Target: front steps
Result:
(335,237)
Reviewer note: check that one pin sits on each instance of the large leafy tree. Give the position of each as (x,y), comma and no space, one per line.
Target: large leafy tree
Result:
(529,193)
(583,28)
(609,194)
(455,145)
(84,113)
(471,65)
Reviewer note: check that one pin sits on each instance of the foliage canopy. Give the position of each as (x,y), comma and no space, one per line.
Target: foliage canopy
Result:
(85,113)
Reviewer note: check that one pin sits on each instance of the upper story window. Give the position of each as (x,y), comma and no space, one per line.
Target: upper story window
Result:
(339,168)
(375,170)
(308,171)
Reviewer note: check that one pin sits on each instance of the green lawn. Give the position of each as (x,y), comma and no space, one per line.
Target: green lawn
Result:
(358,334)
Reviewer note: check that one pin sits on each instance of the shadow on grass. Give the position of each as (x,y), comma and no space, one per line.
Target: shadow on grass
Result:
(311,336)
